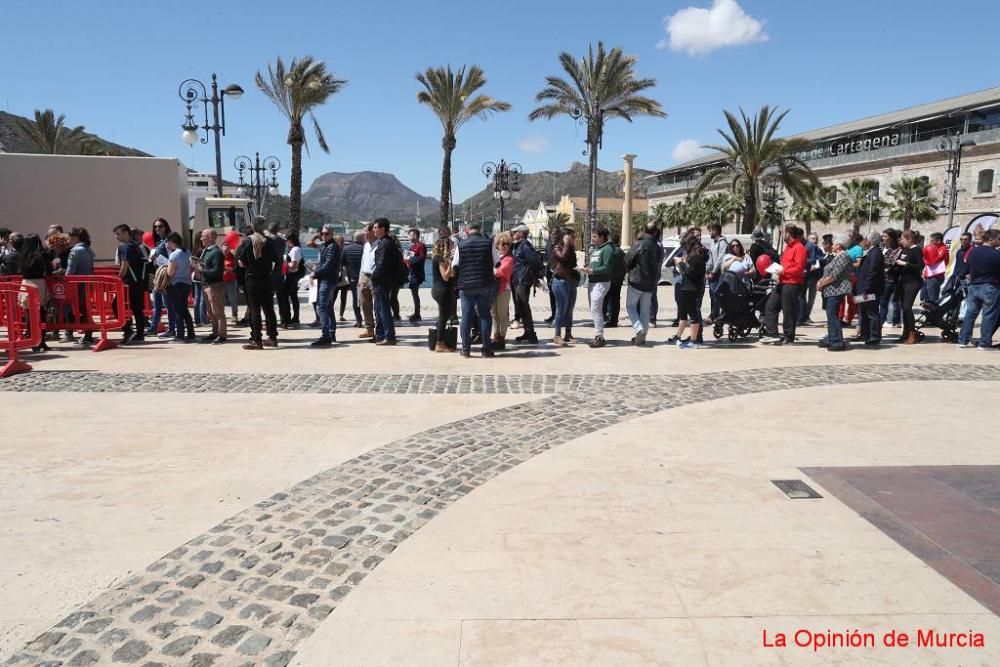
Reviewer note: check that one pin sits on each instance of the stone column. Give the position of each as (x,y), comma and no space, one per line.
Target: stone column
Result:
(627,205)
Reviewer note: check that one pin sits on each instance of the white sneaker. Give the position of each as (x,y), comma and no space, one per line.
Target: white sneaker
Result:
(964,346)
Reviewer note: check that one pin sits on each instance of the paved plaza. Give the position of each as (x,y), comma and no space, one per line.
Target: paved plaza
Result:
(191,505)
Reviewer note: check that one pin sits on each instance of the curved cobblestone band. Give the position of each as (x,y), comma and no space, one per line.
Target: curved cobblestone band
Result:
(252,588)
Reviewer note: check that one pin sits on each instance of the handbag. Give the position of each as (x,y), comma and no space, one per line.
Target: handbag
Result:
(343,281)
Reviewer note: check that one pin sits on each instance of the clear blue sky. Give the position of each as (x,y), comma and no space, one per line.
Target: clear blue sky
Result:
(114,67)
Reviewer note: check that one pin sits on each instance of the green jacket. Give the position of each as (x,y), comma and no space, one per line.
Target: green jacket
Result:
(213,267)
(601,259)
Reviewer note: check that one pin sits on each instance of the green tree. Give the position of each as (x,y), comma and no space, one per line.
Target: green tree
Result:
(298,90)
(599,87)
(812,205)
(676,215)
(750,151)
(452,97)
(911,201)
(859,203)
(49,134)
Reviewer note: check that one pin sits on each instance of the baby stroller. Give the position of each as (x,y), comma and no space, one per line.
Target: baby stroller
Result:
(736,308)
(945,313)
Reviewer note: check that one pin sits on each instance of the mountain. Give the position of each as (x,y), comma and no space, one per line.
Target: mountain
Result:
(540,185)
(367,195)
(11,140)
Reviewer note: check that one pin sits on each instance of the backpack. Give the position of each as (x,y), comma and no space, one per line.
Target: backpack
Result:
(533,260)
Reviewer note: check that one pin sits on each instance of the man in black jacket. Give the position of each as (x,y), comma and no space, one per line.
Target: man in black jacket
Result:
(476,285)
(212,269)
(386,277)
(871,282)
(643,265)
(526,262)
(612,303)
(257,258)
(327,274)
(353,250)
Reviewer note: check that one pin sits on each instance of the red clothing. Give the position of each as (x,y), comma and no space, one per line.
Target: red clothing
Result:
(793,264)
(233,239)
(228,266)
(935,260)
(504,272)
(149,240)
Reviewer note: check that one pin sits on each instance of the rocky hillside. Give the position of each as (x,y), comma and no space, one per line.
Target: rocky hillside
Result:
(539,186)
(367,195)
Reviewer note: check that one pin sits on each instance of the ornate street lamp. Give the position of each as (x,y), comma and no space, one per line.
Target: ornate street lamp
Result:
(952,146)
(506,184)
(258,183)
(192,91)
(595,141)
(774,197)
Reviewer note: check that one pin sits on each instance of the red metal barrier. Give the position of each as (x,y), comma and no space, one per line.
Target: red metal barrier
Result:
(89,303)
(19,307)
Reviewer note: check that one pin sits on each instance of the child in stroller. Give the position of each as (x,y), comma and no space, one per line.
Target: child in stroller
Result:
(739,303)
(945,313)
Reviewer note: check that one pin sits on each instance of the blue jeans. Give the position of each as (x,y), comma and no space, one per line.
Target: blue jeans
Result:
(888,305)
(476,303)
(834,330)
(980,298)
(932,289)
(385,327)
(637,305)
(565,292)
(713,287)
(327,321)
(161,302)
(199,303)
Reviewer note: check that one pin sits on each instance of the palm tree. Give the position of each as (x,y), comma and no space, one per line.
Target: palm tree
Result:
(451,95)
(675,215)
(911,200)
(297,91)
(50,135)
(859,203)
(812,205)
(751,151)
(601,86)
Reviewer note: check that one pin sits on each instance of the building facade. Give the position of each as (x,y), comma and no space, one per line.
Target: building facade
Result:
(885,148)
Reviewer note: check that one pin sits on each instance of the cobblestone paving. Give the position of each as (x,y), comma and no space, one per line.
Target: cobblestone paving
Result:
(252,588)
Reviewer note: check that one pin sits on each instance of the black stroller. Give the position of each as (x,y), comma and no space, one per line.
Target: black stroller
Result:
(737,305)
(944,313)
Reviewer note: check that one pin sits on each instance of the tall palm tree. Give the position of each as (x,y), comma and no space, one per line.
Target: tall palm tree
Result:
(297,90)
(49,134)
(451,95)
(751,151)
(911,200)
(859,203)
(812,205)
(675,215)
(600,87)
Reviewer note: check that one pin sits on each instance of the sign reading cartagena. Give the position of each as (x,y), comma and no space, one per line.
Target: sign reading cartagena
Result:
(841,146)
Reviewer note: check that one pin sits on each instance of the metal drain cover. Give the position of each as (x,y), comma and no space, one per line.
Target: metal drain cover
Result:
(795,489)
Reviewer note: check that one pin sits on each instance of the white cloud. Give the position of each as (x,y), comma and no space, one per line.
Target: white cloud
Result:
(688,149)
(697,31)
(533,144)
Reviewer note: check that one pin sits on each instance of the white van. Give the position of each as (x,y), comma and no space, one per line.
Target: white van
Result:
(671,244)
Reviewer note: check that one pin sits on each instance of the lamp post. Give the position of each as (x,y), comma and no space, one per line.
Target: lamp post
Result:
(952,146)
(259,183)
(192,91)
(506,184)
(595,141)
(775,201)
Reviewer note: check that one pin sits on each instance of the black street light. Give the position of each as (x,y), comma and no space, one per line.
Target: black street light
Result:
(595,141)
(506,184)
(189,92)
(258,184)
(952,146)
(775,200)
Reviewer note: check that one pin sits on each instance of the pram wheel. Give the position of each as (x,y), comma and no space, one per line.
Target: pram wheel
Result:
(718,329)
(921,336)
(948,336)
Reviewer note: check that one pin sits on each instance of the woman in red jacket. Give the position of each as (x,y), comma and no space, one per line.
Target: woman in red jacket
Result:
(785,297)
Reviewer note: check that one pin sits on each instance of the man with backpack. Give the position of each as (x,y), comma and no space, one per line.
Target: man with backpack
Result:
(643,265)
(528,270)
(132,269)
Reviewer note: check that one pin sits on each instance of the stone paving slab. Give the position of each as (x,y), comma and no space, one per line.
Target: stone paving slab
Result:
(252,588)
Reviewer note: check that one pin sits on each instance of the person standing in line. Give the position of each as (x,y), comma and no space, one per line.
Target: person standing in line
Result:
(404,271)
(868,290)
(503,271)
(909,283)
(387,275)
(365,283)
(327,273)
(230,242)
(935,266)
(836,286)
(640,262)
(33,267)
(693,267)
(158,256)
(599,272)
(179,270)
(257,257)
(416,257)
(352,253)
(80,263)
(554,236)
(959,268)
(718,250)
(443,290)
(476,286)
(813,273)
(983,263)
(888,306)
(213,269)
(565,281)
(528,270)
(612,302)
(785,297)
(295,270)
(132,271)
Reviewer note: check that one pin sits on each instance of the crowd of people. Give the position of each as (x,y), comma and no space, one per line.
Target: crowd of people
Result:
(485,285)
